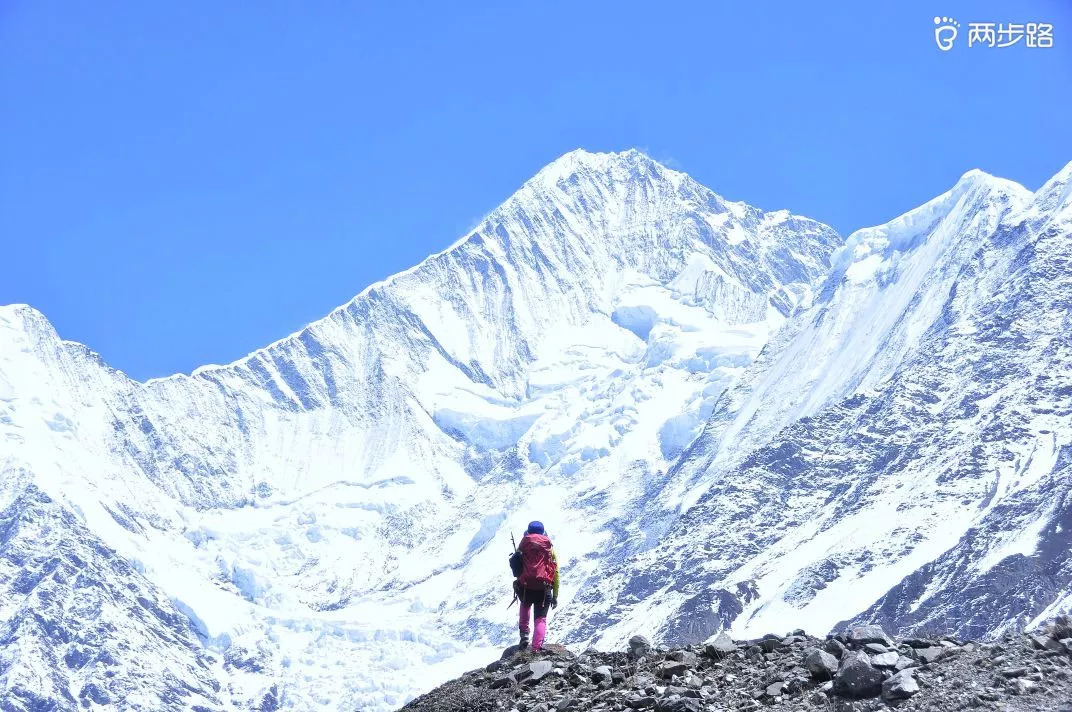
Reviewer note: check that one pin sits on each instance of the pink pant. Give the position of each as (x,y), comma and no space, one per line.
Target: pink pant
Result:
(528,600)
(540,627)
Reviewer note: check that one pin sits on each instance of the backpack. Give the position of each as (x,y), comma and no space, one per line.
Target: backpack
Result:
(538,566)
(517,563)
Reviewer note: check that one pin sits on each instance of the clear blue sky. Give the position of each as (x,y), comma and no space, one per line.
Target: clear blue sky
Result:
(181,183)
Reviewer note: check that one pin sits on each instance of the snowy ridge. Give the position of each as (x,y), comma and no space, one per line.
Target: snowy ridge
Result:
(289,503)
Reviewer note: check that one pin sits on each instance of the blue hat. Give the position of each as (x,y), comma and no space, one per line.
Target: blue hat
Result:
(535,528)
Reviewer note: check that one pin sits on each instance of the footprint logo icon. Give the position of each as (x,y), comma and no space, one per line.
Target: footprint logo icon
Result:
(945,32)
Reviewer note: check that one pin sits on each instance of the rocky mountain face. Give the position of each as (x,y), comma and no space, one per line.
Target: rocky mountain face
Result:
(729,419)
(75,610)
(862,669)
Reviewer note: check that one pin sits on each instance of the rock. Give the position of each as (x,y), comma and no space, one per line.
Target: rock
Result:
(799,632)
(770,643)
(720,647)
(861,635)
(917,643)
(818,698)
(1023,686)
(603,673)
(1011,672)
(566,703)
(1067,642)
(903,663)
(1045,642)
(876,648)
(931,655)
(775,689)
(835,647)
(670,668)
(538,670)
(1061,628)
(639,703)
(856,678)
(885,660)
(680,704)
(821,665)
(639,646)
(682,656)
(900,686)
(504,681)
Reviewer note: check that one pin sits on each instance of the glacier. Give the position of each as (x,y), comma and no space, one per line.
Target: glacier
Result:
(728,418)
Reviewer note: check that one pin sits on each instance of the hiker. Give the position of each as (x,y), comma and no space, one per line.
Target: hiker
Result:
(535,569)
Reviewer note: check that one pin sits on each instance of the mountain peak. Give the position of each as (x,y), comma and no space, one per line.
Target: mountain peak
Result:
(579,160)
(980,179)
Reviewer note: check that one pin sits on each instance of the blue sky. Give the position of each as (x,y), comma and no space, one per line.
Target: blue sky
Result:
(181,183)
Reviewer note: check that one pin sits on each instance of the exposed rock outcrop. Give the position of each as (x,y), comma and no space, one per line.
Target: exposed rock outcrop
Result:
(869,671)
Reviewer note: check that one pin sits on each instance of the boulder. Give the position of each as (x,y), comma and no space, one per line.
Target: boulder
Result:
(917,643)
(885,660)
(1061,628)
(682,656)
(538,670)
(900,686)
(504,681)
(821,665)
(857,678)
(835,647)
(770,643)
(1046,642)
(639,646)
(932,654)
(861,635)
(670,668)
(720,647)
(876,648)
(603,673)
(775,689)
(903,663)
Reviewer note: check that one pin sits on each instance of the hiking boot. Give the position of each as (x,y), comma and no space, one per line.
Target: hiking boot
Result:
(524,642)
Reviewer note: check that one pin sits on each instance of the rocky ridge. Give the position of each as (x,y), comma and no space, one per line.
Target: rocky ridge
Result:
(859,670)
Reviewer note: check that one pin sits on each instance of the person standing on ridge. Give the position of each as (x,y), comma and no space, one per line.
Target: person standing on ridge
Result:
(535,569)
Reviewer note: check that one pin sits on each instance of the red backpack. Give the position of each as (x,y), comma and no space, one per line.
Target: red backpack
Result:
(539,567)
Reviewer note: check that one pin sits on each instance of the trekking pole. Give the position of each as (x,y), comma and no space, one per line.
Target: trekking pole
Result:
(514,585)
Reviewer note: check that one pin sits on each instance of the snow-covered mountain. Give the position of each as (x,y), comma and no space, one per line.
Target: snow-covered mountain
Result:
(330,514)
(905,442)
(726,417)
